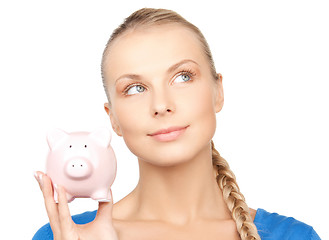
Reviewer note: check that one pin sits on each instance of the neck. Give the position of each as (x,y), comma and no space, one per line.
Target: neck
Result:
(180,194)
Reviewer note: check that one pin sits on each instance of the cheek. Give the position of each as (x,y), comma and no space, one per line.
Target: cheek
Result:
(134,122)
(201,112)
(199,102)
(130,116)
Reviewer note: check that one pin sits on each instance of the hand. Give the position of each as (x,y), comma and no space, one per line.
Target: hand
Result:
(61,221)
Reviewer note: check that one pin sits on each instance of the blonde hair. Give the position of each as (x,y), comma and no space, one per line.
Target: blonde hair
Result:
(147,17)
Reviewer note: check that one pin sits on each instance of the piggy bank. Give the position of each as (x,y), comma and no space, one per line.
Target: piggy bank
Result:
(83,163)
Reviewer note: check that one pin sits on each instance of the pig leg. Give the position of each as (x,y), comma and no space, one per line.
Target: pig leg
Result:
(102,195)
(69,197)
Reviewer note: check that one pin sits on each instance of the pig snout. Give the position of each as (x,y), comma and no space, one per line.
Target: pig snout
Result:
(78,168)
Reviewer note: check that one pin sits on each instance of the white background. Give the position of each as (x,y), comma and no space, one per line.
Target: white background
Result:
(273,129)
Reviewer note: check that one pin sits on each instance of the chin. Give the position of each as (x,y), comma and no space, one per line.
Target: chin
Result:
(166,162)
(173,155)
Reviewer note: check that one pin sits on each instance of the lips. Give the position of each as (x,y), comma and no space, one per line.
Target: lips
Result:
(167,130)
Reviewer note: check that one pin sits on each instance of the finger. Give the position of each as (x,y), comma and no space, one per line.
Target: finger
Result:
(51,206)
(104,212)
(65,218)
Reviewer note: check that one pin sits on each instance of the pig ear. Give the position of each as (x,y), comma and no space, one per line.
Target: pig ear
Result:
(102,136)
(55,137)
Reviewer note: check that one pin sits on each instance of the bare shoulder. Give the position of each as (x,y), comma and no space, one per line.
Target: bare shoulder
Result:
(133,229)
(128,227)
(121,214)
(121,210)
(252,213)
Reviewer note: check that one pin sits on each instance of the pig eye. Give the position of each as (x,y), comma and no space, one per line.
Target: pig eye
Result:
(85,146)
(70,146)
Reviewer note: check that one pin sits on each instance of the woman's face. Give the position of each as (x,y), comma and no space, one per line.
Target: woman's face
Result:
(159,78)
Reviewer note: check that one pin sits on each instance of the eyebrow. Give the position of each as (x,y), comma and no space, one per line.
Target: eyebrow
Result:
(170,69)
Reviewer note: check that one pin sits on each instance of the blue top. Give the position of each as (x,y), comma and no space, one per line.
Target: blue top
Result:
(270,226)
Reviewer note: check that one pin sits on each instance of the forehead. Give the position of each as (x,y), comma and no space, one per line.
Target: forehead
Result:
(157,47)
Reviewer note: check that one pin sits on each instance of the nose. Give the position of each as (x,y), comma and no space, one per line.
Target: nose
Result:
(162,103)
(78,168)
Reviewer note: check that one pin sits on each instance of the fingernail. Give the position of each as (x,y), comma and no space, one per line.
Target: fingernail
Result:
(38,177)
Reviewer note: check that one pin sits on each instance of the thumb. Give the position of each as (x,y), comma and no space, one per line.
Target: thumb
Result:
(104,212)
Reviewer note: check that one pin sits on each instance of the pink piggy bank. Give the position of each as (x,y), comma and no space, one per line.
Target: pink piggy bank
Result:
(82,162)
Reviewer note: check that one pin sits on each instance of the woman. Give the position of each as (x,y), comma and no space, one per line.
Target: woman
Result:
(163,95)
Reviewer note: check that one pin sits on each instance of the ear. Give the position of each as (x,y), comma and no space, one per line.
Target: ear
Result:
(114,122)
(219,94)
(102,136)
(55,137)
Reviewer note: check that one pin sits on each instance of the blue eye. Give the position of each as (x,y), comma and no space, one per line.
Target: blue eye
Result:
(134,89)
(184,77)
